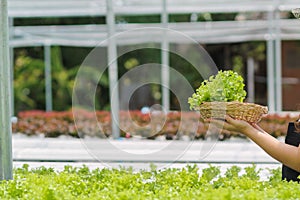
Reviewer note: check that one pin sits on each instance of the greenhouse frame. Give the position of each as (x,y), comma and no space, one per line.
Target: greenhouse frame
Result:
(272,30)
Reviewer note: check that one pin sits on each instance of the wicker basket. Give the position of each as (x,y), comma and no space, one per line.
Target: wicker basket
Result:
(249,112)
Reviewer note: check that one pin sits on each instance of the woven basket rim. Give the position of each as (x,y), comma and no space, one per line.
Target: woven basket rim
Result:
(221,103)
(250,112)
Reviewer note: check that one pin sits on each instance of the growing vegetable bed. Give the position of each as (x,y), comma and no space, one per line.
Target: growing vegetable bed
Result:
(185,183)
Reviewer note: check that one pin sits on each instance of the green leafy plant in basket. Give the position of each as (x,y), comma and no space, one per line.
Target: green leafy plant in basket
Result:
(224,94)
(226,86)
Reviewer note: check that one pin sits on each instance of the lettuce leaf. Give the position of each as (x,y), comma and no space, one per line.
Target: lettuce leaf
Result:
(226,86)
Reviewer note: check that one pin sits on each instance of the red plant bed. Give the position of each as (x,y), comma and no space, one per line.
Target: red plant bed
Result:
(132,123)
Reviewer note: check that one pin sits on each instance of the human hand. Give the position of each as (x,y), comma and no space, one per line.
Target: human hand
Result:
(232,126)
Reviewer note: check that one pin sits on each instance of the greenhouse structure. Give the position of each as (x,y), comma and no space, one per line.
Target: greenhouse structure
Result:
(272,29)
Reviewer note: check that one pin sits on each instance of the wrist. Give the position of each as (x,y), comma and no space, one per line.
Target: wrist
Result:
(249,131)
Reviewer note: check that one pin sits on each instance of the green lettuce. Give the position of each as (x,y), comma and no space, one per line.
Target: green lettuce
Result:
(226,86)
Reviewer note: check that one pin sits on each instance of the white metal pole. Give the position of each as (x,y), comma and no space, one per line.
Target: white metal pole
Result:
(250,80)
(270,65)
(278,72)
(165,72)
(11,56)
(11,52)
(48,78)
(5,98)
(113,69)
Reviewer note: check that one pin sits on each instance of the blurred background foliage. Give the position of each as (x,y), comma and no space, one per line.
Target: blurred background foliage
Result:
(29,83)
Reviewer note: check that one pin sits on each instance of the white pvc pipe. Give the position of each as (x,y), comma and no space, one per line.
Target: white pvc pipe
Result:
(165,72)
(270,65)
(113,70)
(48,77)
(278,73)
(5,98)
(250,80)
(11,56)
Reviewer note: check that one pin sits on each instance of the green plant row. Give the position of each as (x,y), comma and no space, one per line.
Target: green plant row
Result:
(171,183)
(53,124)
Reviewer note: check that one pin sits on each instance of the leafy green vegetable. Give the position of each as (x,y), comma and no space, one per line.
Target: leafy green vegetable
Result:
(226,86)
(126,183)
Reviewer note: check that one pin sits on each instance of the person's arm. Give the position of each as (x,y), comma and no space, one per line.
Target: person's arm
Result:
(287,154)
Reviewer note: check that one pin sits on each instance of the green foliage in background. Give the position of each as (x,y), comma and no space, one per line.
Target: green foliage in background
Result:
(29,82)
(58,21)
(62,81)
(126,183)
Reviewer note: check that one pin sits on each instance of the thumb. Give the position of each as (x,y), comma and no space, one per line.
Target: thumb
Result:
(229,119)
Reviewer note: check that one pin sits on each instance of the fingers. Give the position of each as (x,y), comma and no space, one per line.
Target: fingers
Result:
(256,126)
(216,122)
(230,124)
(227,132)
(229,119)
(222,126)
(235,133)
(232,121)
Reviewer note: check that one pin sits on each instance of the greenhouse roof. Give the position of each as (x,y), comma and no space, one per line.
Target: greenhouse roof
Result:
(203,32)
(57,8)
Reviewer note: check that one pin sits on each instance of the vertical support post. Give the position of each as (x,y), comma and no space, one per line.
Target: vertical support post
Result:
(250,80)
(11,56)
(278,70)
(270,65)
(48,77)
(113,69)
(165,73)
(5,98)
